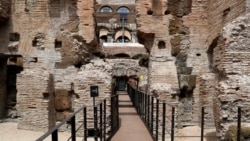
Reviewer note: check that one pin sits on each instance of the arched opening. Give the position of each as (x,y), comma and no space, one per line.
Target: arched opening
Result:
(167,12)
(161,45)
(123,9)
(106,9)
(103,35)
(104,38)
(121,39)
(121,36)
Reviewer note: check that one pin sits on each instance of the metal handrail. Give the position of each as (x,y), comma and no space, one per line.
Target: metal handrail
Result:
(54,131)
(44,136)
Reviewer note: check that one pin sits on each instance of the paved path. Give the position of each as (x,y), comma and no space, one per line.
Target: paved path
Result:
(132,128)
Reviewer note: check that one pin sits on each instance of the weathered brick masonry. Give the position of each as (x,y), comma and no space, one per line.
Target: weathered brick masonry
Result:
(178,47)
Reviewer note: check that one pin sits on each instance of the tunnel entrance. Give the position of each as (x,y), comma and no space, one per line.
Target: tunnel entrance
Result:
(121,83)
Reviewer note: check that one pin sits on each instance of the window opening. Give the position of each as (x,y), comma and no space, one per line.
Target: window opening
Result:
(150,12)
(14,37)
(161,45)
(58,43)
(106,9)
(123,10)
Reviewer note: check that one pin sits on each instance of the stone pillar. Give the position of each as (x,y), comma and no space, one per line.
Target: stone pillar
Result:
(35,100)
(3,92)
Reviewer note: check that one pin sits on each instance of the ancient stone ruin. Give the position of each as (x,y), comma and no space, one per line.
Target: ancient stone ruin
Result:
(189,53)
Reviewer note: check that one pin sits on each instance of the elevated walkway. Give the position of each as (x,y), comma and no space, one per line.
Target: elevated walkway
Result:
(132,127)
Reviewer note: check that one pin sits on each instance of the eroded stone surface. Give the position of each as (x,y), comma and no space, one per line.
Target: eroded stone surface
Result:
(179,56)
(231,59)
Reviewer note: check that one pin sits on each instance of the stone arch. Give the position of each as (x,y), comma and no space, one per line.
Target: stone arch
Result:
(103,35)
(128,70)
(120,33)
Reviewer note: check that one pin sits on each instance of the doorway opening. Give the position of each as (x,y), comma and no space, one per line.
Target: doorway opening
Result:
(14,66)
(121,83)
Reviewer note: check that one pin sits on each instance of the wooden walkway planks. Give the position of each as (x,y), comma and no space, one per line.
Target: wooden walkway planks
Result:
(132,127)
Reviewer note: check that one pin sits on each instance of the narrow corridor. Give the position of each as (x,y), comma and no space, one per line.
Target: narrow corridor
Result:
(132,127)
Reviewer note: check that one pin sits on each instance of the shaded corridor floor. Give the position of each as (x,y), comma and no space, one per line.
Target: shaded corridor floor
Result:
(132,127)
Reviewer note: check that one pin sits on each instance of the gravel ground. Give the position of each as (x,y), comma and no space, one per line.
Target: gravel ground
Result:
(9,132)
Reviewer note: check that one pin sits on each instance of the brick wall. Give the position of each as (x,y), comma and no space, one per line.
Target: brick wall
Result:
(35,93)
(231,59)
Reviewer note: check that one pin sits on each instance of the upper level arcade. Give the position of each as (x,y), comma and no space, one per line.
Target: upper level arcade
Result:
(116,29)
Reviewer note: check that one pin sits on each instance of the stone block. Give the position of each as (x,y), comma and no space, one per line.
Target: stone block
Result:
(61,93)
(62,103)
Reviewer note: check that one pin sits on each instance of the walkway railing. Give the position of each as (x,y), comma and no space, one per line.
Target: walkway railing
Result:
(106,122)
(160,117)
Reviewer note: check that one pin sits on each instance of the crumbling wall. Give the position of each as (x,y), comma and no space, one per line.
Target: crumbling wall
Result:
(35,100)
(50,41)
(86,20)
(231,60)
(153,22)
(4,11)
(4,24)
(220,13)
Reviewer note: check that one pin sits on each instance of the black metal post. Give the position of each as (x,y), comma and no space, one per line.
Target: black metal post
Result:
(85,123)
(152,115)
(239,124)
(117,111)
(144,107)
(95,123)
(100,132)
(73,128)
(104,118)
(148,105)
(172,124)
(55,135)
(202,123)
(140,101)
(163,121)
(157,120)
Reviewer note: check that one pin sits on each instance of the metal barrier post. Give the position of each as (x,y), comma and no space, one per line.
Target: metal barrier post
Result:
(163,121)
(104,118)
(85,123)
(152,115)
(55,135)
(157,119)
(140,103)
(239,124)
(144,107)
(117,112)
(172,124)
(202,123)
(148,116)
(101,122)
(95,123)
(73,128)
